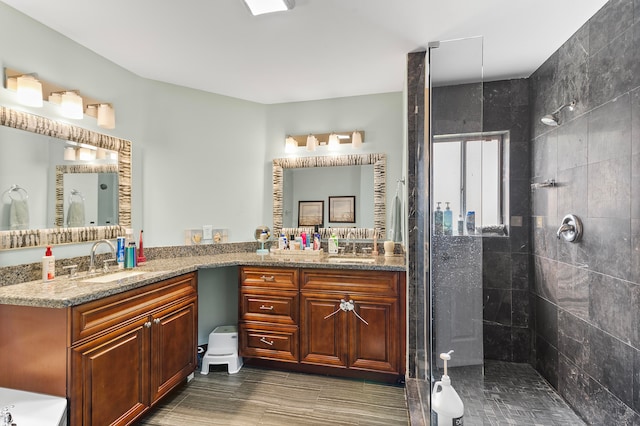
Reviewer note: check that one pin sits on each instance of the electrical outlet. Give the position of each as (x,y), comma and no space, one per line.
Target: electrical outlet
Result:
(207,232)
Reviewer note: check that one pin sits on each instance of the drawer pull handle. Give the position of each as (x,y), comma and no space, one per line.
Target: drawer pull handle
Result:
(268,279)
(266,308)
(147,324)
(156,321)
(263,340)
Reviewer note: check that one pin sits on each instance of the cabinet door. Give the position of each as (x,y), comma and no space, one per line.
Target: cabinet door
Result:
(173,346)
(323,336)
(110,377)
(374,346)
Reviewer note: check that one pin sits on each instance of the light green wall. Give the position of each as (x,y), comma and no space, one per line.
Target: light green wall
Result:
(198,158)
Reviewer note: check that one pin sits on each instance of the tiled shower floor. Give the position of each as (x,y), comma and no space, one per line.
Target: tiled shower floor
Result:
(508,394)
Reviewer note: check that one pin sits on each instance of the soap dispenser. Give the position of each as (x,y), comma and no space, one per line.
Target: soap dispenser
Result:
(437,220)
(445,401)
(448,220)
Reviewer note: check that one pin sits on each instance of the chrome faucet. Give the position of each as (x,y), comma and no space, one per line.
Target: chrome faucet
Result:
(349,237)
(92,261)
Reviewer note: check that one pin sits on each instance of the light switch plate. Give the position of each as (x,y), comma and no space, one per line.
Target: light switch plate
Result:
(207,232)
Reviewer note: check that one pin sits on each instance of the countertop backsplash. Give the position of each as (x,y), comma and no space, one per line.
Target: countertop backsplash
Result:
(17,274)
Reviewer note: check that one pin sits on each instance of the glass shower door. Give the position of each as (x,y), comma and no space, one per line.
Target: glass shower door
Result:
(459,170)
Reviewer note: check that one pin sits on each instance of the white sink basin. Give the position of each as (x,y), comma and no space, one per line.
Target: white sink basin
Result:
(351,260)
(113,277)
(34,409)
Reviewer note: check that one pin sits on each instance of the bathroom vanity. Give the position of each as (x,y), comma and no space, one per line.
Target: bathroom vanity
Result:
(113,358)
(115,348)
(333,321)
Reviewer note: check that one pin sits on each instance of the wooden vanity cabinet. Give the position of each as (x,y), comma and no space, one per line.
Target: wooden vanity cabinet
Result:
(268,324)
(299,319)
(130,350)
(113,358)
(368,336)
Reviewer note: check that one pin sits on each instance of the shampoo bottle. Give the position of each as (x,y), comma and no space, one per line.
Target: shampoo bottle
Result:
(448,220)
(333,244)
(48,266)
(460,225)
(437,220)
(445,402)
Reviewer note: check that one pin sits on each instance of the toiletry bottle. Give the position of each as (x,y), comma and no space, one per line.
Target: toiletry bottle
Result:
(120,252)
(471,222)
(448,220)
(445,401)
(140,257)
(460,225)
(316,241)
(333,244)
(130,256)
(48,265)
(437,220)
(281,242)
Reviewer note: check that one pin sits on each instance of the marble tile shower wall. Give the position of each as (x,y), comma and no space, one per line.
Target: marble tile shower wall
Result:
(505,260)
(587,295)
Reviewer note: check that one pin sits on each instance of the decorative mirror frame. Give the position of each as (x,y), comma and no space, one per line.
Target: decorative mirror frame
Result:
(56,129)
(77,168)
(379,162)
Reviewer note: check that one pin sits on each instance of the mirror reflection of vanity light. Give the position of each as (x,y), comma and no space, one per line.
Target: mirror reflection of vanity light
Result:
(69,153)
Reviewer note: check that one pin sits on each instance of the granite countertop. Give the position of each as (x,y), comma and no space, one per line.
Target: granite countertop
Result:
(64,292)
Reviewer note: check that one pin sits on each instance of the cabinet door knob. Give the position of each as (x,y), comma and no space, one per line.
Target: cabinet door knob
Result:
(156,321)
(263,340)
(268,279)
(147,324)
(266,308)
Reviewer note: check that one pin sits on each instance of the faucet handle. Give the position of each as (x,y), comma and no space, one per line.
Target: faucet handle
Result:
(6,416)
(105,267)
(73,270)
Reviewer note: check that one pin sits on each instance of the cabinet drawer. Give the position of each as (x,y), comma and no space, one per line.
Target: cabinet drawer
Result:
(277,278)
(279,307)
(353,282)
(276,342)
(100,315)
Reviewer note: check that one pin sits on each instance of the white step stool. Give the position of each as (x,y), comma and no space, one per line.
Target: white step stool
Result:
(222,349)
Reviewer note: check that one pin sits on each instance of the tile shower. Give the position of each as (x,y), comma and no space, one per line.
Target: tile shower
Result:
(572,311)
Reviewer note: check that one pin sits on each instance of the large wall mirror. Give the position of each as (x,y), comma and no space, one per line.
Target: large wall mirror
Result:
(49,198)
(339,182)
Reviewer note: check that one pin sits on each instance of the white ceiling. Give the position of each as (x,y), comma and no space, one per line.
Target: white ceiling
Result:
(320,49)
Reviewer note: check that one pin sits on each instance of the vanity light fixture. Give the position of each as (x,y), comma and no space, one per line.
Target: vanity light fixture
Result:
(104,113)
(71,105)
(69,153)
(356,140)
(312,142)
(290,144)
(334,142)
(259,7)
(29,91)
(330,141)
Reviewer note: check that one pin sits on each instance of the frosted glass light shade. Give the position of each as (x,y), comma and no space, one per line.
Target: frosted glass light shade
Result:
(69,153)
(312,143)
(290,144)
(29,91)
(356,139)
(334,142)
(106,116)
(71,105)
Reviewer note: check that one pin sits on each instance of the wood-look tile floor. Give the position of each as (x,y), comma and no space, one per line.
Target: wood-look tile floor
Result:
(256,396)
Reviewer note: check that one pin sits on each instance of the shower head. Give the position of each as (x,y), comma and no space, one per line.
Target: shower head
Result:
(553,119)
